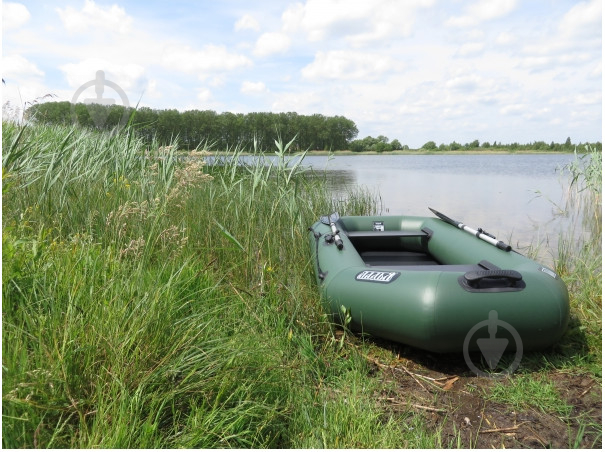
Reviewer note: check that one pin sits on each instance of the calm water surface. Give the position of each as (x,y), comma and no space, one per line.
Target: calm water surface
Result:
(519,198)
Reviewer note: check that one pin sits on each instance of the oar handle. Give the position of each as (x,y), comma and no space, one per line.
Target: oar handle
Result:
(331,221)
(337,239)
(503,246)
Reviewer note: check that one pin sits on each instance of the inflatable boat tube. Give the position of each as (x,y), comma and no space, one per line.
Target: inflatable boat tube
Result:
(426,283)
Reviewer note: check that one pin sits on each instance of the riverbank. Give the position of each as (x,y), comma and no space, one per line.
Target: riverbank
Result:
(150,301)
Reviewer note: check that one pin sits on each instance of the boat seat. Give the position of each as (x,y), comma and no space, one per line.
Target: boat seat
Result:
(383,234)
(461,268)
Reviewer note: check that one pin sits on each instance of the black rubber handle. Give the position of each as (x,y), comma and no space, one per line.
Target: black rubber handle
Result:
(476,276)
(504,246)
(339,244)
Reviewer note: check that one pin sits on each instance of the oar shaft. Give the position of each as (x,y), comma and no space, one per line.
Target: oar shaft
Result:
(489,239)
(478,234)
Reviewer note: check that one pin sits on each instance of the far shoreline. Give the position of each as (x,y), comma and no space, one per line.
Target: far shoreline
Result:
(437,152)
(412,152)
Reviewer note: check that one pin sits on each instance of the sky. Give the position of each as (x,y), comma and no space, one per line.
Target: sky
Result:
(414,70)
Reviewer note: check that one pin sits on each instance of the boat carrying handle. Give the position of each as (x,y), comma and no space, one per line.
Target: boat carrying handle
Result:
(475,276)
(492,280)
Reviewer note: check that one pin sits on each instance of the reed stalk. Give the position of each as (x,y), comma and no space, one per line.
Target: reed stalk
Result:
(151,301)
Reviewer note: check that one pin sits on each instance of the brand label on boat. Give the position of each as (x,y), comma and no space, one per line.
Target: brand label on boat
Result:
(549,272)
(375,276)
(378,226)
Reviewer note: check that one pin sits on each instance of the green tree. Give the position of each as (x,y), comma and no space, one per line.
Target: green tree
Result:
(454,146)
(381,146)
(223,130)
(396,145)
(429,146)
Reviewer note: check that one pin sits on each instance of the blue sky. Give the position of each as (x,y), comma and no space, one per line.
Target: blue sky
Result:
(415,70)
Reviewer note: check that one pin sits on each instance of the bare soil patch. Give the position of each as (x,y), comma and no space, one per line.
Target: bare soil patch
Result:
(453,401)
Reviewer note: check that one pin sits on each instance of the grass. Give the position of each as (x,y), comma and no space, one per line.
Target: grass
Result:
(526,391)
(580,260)
(150,301)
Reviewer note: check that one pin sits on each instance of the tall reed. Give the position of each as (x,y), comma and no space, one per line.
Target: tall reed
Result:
(580,256)
(151,301)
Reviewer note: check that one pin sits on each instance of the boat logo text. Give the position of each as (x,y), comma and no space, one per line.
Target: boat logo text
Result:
(375,276)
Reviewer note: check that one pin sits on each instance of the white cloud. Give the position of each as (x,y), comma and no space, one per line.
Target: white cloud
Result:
(360,22)
(505,38)
(270,43)
(247,22)
(253,87)
(573,43)
(93,18)
(513,109)
(204,95)
(302,101)
(14,15)
(582,18)
(464,82)
(15,66)
(597,71)
(470,48)
(127,76)
(482,11)
(210,59)
(348,65)
(593,98)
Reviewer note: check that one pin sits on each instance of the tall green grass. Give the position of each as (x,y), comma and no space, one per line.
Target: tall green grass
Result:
(580,255)
(149,301)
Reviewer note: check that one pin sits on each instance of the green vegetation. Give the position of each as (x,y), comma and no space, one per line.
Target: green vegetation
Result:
(194,126)
(379,144)
(150,301)
(536,146)
(526,391)
(579,262)
(223,130)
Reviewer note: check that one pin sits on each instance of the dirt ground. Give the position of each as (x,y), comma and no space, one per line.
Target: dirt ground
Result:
(452,399)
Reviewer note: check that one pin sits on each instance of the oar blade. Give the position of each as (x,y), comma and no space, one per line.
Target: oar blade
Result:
(444,218)
(328,219)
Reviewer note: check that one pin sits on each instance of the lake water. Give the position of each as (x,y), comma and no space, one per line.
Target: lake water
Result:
(519,198)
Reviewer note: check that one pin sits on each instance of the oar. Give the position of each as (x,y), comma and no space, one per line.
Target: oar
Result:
(331,220)
(477,233)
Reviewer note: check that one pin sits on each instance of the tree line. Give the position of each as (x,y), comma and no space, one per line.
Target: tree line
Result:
(260,129)
(567,146)
(192,127)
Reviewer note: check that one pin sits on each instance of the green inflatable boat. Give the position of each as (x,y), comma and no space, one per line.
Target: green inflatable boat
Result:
(435,284)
